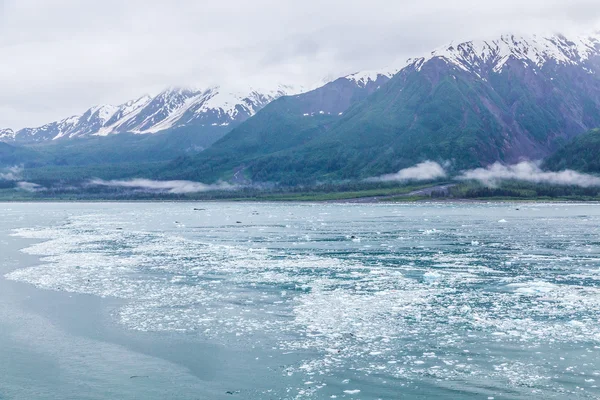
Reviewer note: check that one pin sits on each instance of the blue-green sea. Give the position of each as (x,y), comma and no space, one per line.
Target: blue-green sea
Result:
(299,301)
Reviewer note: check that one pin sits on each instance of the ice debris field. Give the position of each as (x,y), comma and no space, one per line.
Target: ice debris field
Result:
(487,300)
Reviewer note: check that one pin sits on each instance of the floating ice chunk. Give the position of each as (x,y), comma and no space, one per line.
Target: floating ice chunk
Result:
(474,243)
(502,221)
(432,276)
(355,391)
(533,288)
(465,309)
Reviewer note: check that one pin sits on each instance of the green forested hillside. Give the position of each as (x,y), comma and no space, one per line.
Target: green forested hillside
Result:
(128,147)
(115,156)
(278,128)
(14,155)
(582,154)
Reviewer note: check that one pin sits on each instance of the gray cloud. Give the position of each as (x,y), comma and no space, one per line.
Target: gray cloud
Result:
(528,172)
(11,173)
(175,187)
(62,56)
(425,171)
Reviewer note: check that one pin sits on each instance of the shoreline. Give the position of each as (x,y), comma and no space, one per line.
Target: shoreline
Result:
(358,200)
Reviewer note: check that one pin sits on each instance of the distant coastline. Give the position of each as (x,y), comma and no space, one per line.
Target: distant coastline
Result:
(434,192)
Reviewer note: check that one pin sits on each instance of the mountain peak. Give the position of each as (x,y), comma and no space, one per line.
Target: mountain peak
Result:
(145,99)
(538,50)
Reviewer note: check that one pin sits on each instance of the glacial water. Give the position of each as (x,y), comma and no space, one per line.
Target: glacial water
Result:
(295,301)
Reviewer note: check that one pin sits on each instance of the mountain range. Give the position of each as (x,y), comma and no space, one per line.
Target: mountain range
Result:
(171,109)
(465,105)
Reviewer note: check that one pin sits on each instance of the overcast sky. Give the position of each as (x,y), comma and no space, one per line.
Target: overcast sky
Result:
(59,57)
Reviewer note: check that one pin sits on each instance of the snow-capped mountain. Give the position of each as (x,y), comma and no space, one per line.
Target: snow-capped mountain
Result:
(172,108)
(534,51)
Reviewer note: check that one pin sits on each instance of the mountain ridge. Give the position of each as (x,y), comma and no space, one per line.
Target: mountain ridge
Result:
(539,50)
(172,108)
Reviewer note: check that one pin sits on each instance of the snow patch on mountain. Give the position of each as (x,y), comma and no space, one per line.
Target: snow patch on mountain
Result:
(231,103)
(363,78)
(7,134)
(123,113)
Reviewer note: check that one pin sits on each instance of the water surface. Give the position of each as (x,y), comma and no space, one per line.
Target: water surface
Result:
(286,301)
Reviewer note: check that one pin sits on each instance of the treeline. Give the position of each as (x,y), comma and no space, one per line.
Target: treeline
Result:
(69,190)
(388,191)
(525,190)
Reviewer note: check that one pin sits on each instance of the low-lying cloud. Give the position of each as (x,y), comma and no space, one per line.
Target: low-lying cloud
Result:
(425,171)
(11,173)
(528,172)
(494,174)
(174,187)
(30,187)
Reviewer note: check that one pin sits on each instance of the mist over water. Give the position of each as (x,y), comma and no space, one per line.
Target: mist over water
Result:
(372,301)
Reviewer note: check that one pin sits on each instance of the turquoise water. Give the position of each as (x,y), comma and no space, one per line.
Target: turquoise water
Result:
(294,301)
